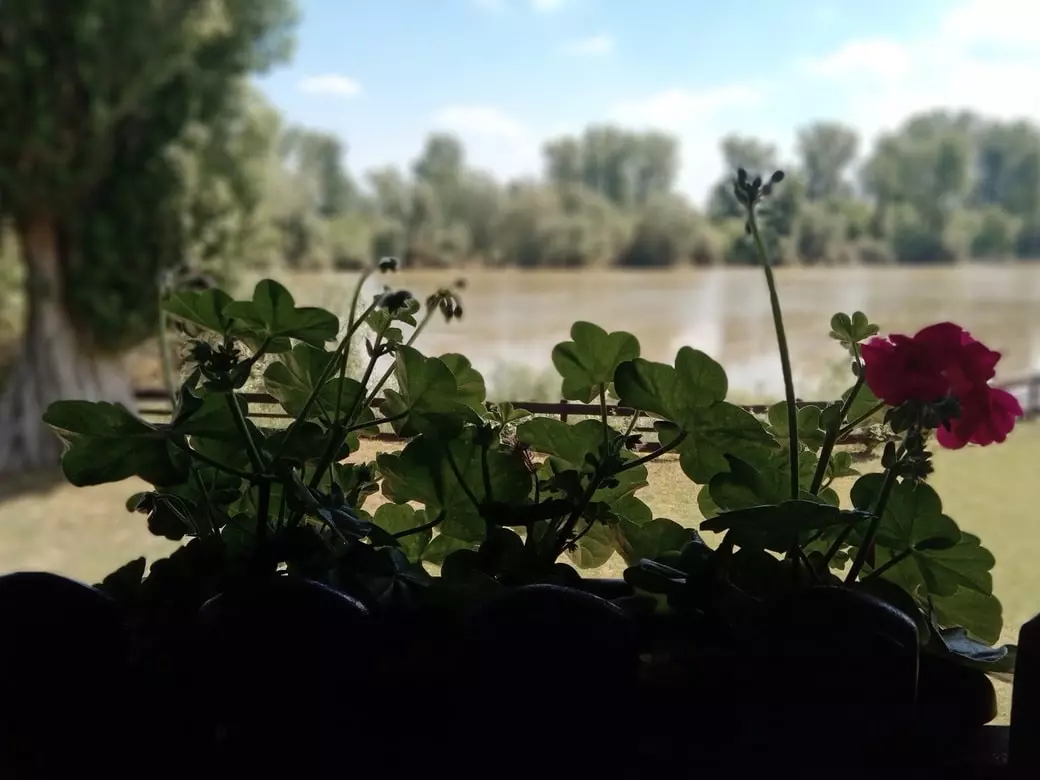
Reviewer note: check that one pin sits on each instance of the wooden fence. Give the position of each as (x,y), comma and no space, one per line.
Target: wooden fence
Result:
(156,402)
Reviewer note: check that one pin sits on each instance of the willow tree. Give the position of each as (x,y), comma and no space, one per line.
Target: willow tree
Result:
(95,97)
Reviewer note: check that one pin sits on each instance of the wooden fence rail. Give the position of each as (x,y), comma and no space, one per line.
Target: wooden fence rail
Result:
(155,401)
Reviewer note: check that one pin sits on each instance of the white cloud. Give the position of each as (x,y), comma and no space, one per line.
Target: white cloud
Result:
(981,55)
(676,109)
(594,46)
(878,57)
(331,84)
(484,121)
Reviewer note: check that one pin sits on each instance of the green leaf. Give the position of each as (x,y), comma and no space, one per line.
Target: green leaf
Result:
(442,546)
(422,472)
(427,399)
(775,527)
(212,419)
(650,540)
(570,443)
(204,308)
(840,466)
(593,549)
(395,518)
(864,402)
(850,330)
(632,510)
(470,388)
(980,614)
(105,442)
(272,316)
(810,432)
(914,518)
(295,375)
(676,393)
(591,358)
(720,430)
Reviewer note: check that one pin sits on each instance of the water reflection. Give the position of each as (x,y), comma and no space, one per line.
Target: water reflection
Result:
(516,317)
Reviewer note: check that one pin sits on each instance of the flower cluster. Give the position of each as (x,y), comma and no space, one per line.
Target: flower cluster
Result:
(939,362)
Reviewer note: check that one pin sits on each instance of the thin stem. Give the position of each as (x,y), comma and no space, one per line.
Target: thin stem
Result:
(461,480)
(875,523)
(485,472)
(781,342)
(603,418)
(182,445)
(652,455)
(411,340)
(420,528)
(563,537)
(833,432)
(326,372)
(845,431)
(632,423)
(164,353)
(255,460)
(895,560)
(345,357)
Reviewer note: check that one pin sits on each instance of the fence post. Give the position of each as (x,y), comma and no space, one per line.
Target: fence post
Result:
(563,414)
(1033,397)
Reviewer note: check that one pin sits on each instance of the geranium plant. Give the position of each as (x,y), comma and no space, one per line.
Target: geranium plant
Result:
(490,497)
(783,525)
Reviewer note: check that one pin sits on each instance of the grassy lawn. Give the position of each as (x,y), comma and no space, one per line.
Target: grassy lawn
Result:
(86,532)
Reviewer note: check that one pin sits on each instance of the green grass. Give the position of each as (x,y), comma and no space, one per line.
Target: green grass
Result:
(86,532)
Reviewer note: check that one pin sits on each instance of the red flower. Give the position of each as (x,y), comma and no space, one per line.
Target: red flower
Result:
(937,361)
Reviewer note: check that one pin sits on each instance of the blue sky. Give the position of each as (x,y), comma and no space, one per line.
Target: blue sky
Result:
(505,75)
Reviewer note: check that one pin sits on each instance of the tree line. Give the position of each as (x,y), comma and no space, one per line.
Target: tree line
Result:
(945,186)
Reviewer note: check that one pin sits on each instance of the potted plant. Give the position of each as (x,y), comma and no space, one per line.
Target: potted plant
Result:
(714,646)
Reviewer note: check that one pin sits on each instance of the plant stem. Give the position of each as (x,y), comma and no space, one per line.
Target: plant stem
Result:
(326,372)
(180,444)
(845,431)
(875,522)
(562,538)
(164,353)
(781,342)
(833,433)
(632,423)
(424,527)
(825,457)
(411,340)
(461,480)
(664,448)
(895,560)
(255,460)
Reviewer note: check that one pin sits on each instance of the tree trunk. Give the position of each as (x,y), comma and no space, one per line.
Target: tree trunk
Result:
(56,363)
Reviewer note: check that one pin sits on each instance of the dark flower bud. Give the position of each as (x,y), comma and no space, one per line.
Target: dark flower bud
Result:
(394,300)
(757,183)
(388,264)
(767,190)
(777,177)
(741,176)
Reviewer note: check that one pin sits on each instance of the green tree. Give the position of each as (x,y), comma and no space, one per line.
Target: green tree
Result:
(94,96)
(825,152)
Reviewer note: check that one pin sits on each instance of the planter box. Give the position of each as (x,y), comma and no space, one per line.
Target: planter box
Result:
(544,679)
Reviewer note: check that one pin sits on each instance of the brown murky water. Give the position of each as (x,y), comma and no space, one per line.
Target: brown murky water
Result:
(515,317)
